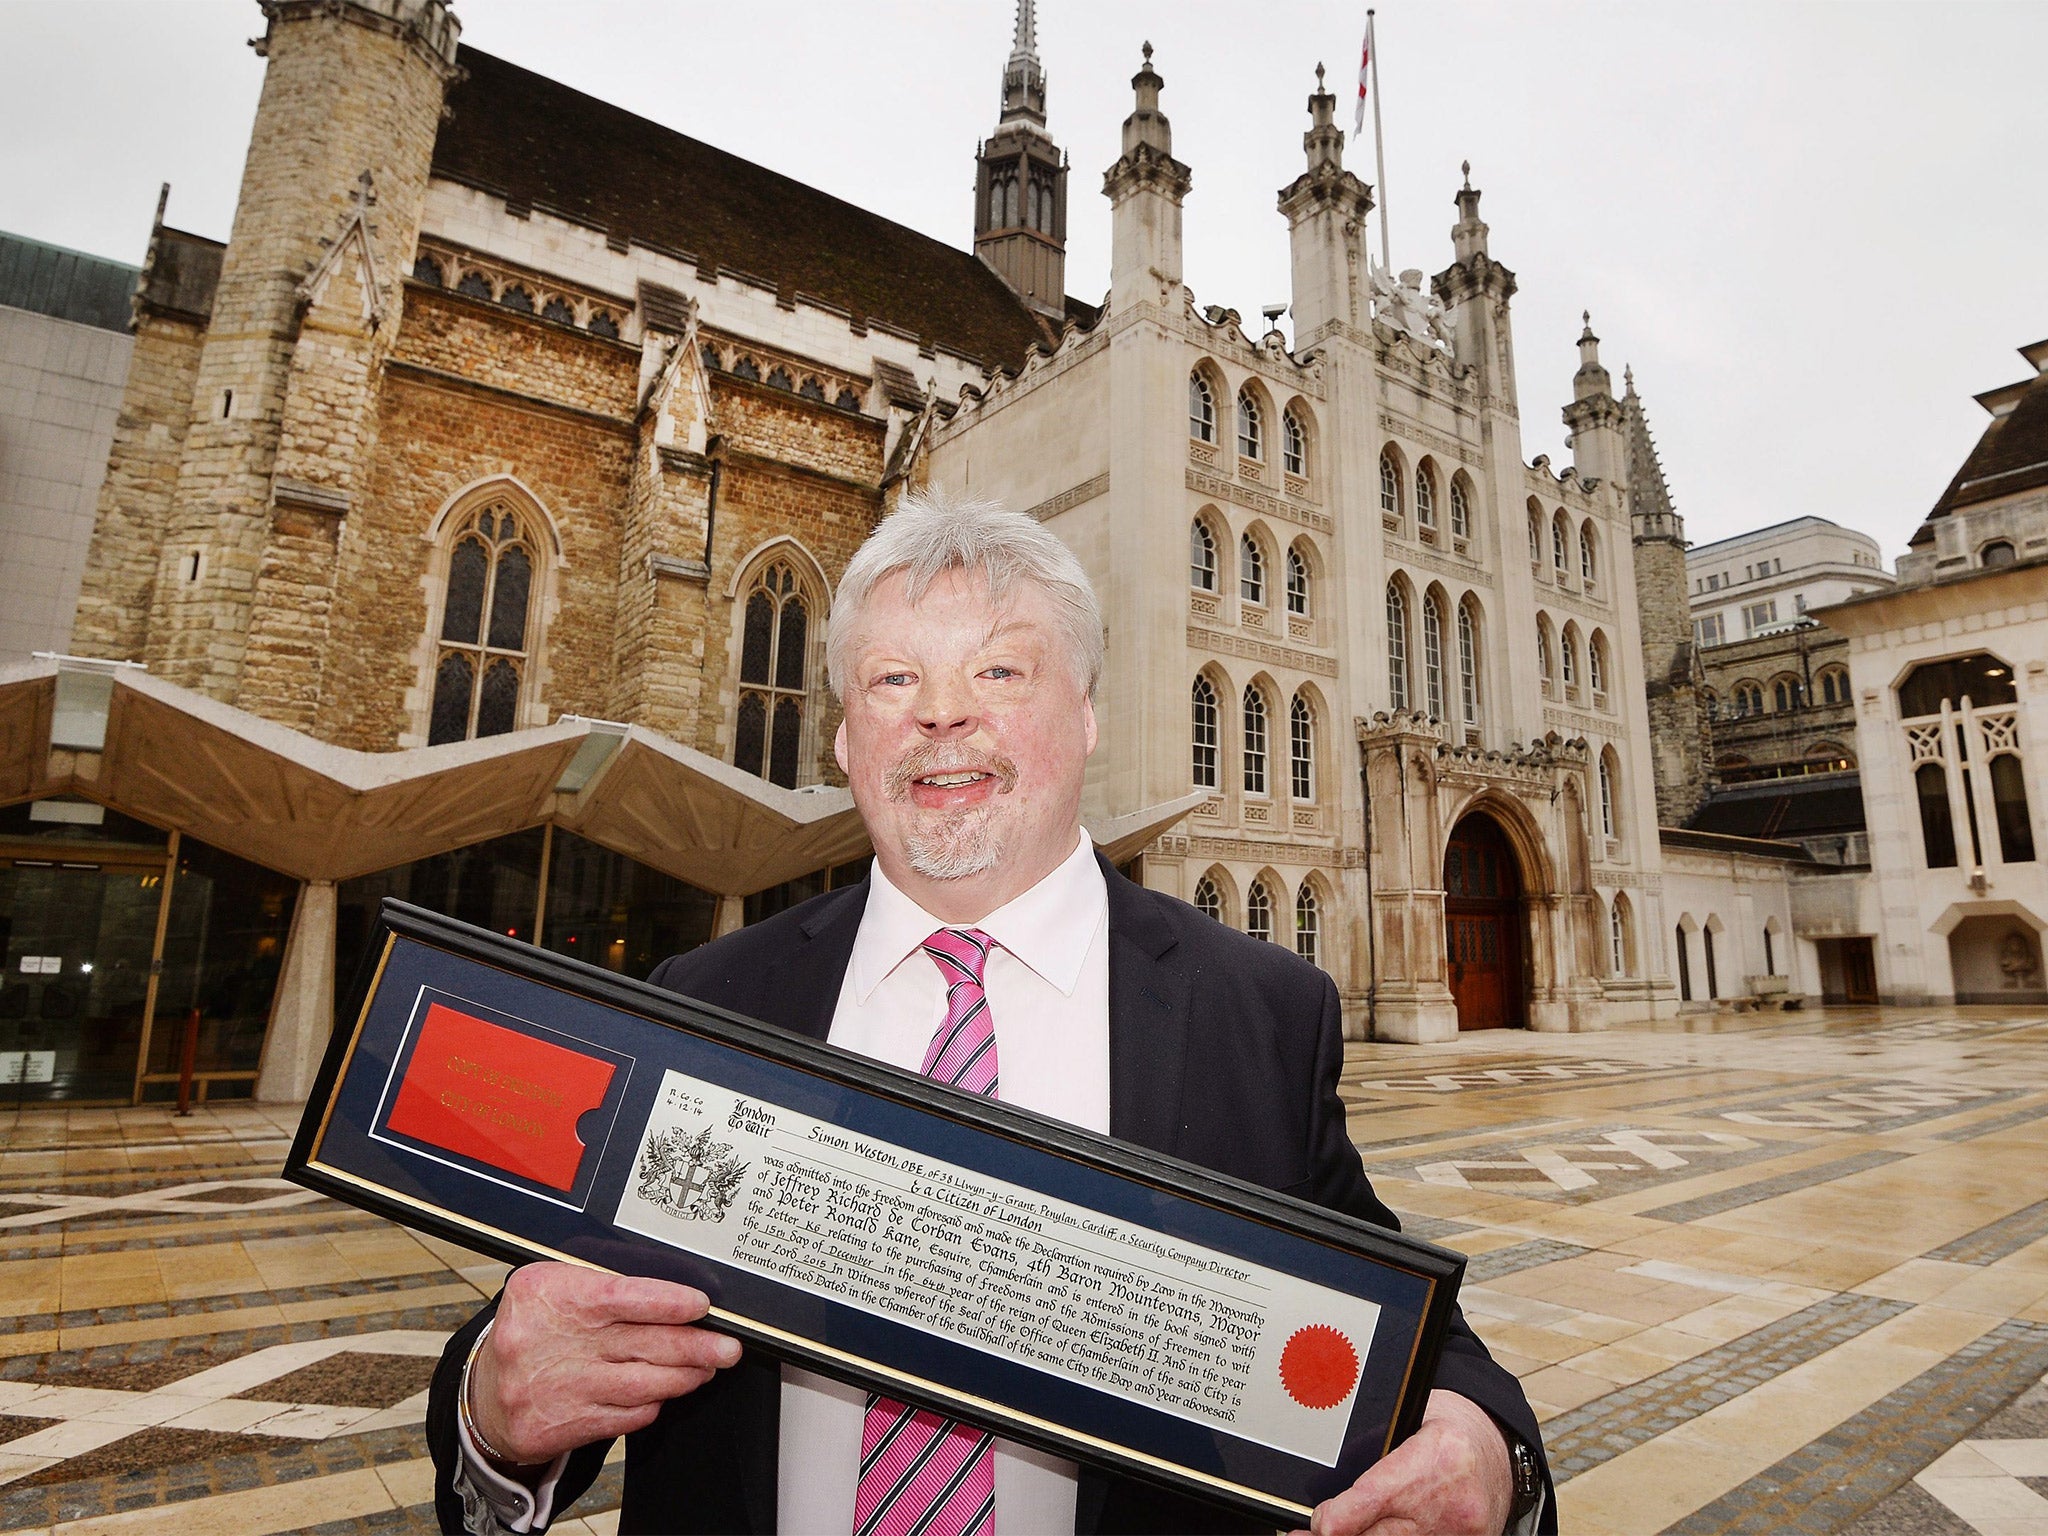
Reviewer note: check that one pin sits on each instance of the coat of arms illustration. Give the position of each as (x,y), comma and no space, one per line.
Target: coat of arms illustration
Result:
(692,1177)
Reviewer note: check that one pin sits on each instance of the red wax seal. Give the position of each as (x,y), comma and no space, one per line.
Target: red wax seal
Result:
(1318,1367)
(499,1096)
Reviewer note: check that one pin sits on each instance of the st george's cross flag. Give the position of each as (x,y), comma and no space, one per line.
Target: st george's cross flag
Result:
(1364,69)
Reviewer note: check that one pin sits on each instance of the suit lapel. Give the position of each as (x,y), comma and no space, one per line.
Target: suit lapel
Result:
(1148,1019)
(818,970)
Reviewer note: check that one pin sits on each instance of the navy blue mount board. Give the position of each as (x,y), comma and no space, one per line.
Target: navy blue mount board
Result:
(347,1146)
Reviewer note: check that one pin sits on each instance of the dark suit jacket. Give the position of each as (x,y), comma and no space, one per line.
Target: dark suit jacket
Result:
(1223,1051)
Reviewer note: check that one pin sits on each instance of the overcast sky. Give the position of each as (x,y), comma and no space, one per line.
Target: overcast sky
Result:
(1816,230)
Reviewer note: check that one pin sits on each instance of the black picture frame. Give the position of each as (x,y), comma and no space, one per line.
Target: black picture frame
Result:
(345,1148)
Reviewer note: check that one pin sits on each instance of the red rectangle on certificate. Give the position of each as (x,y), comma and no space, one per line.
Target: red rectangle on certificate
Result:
(499,1096)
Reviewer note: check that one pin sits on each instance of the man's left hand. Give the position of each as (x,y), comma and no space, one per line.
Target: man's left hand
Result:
(1450,1478)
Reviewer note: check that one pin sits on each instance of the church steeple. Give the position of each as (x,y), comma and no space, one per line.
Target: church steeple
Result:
(1020,184)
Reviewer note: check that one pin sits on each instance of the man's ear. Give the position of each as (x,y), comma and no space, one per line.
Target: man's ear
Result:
(839,747)
(1088,715)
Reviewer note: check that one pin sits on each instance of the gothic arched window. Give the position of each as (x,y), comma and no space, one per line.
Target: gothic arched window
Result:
(1397,646)
(1308,923)
(1201,409)
(1535,536)
(1258,912)
(1596,662)
(1433,657)
(774,678)
(1568,656)
(1293,443)
(1251,426)
(1297,583)
(517,298)
(480,671)
(1588,570)
(1205,734)
(1461,510)
(1301,749)
(1208,900)
(1607,822)
(1559,532)
(1201,557)
(1834,685)
(1425,497)
(1390,486)
(1254,741)
(1543,669)
(1617,936)
(1468,664)
(1251,570)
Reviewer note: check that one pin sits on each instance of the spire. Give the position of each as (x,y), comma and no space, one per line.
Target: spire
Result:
(1023,75)
(1324,141)
(1649,498)
(1592,381)
(1468,235)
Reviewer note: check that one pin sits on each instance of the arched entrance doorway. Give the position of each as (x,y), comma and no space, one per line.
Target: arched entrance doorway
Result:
(1483,925)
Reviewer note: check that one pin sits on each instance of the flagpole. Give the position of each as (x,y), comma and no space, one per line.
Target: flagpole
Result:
(1379,147)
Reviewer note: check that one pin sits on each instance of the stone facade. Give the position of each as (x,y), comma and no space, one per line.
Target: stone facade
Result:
(1279,531)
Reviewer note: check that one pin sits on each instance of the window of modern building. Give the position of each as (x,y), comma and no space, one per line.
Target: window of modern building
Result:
(1254,741)
(1297,583)
(1208,900)
(1759,616)
(1251,426)
(1308,923)
(1258,912)
(1397,646)
(1981,678)
(1251,570)
(774,678)
(1937,824)
(1205,734)
(1201,409)
(2009,809)
(1293,443)
(1433,656)
(1709,631)
(1301,749)
(762,905)
(480,671)
(1201,557)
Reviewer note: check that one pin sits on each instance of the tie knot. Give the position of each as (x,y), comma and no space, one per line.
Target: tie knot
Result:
(964,950)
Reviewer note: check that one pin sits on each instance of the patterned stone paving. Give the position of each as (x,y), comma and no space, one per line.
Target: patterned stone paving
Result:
(1759,1273)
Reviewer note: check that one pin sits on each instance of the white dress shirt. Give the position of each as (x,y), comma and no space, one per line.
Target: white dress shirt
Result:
(1047,980)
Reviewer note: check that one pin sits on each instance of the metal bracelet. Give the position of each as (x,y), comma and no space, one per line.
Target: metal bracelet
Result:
(468,1415)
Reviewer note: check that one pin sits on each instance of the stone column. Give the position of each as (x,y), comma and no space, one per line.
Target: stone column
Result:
(731,918)
(303,1016)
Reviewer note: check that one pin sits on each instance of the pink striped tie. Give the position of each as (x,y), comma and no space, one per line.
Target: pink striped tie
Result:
(922,1474)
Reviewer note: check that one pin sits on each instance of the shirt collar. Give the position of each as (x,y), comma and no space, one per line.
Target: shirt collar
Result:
(1048,927)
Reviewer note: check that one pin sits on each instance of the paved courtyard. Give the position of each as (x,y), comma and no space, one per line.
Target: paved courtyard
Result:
(1768,1273)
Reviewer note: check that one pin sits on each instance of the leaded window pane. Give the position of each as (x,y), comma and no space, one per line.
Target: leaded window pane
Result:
(1205,734)
(1397,648)
(1251,571)
(1425,499)
(759,639)
(449,720)
(1433,658)
(1308,923)
(1208,900)
(1297,583)
(1390,486)
(497,703)
(1201,557)
(750,747)
(1294,444)
(1301,749)
(789,647)
(468,569)
(1258,912)
(508,599)
(782,750)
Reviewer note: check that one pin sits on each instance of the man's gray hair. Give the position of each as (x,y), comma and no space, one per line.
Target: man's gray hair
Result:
(927,536)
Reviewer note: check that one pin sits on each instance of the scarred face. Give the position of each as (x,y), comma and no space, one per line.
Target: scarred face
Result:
(965,738)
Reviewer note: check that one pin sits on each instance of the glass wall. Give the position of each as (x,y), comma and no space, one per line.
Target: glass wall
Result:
(111,933)
(780,898)
(581,899)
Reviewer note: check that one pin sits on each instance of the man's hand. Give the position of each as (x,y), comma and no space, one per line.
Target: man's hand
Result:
(577,1356)
(1450,1478)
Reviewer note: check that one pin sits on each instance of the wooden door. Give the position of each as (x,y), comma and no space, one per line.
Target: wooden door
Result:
(1859,971)
(1483,925)
(1477,948)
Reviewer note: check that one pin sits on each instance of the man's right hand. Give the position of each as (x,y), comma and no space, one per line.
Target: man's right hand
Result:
(577,1355)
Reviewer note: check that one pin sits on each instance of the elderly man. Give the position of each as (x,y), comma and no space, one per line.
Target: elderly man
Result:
(993,948)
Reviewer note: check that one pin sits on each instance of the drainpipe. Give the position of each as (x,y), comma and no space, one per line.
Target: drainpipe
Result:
(714,450)
(1372,964)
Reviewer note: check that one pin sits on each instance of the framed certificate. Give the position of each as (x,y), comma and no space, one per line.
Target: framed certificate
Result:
(1060,1288)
